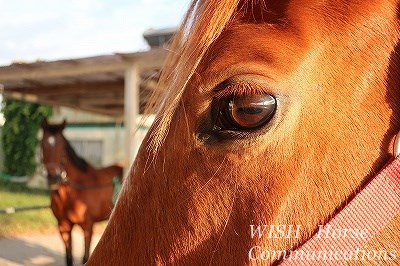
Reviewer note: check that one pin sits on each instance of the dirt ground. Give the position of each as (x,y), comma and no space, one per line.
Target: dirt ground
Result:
(41,249)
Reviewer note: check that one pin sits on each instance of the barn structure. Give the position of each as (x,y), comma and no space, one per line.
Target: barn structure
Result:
(116,85)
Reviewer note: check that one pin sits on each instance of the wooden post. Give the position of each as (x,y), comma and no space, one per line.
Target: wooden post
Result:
(131,112)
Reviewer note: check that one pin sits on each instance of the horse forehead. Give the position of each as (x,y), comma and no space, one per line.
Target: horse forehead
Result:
(311,14)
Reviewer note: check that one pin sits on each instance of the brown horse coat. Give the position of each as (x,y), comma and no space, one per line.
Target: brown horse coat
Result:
(199,182)
(80,194)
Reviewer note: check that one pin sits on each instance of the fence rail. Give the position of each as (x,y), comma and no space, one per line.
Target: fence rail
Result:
(10,210)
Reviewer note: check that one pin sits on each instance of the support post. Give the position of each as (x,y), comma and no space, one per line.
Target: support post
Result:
(131,112)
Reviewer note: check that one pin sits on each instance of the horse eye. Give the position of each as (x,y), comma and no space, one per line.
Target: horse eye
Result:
(245,112)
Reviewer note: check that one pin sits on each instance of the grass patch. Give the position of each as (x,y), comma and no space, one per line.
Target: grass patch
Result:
(32,221)
(27,222)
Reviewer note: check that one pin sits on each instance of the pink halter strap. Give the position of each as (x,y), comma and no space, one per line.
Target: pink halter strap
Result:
(367,213)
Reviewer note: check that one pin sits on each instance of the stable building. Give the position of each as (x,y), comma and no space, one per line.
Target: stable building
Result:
(102,98)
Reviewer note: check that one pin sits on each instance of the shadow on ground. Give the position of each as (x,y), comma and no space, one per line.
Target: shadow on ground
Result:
(15,251)
(43,250)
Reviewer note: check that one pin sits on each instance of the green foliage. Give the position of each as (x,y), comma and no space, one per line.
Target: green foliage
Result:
(19,135)
(1,152)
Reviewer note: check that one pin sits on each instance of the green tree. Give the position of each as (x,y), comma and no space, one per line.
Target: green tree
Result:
(19,135)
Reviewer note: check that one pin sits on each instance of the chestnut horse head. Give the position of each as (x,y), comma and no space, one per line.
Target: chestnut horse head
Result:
(53,152)
(274,113)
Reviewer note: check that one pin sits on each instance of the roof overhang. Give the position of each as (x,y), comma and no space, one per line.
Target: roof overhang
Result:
(94,84)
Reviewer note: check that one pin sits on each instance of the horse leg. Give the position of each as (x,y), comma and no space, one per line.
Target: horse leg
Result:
(88,232)
(65,229)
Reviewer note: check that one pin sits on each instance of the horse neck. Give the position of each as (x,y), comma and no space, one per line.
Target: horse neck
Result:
(70,165)
(76,168)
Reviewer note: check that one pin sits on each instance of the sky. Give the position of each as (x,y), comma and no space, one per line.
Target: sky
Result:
(48,30)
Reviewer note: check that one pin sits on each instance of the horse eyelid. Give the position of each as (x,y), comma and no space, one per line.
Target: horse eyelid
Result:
(238,88)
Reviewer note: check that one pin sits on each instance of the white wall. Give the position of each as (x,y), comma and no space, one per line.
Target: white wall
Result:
(113,140)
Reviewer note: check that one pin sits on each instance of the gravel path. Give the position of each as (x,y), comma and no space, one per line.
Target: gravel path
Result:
(44,250)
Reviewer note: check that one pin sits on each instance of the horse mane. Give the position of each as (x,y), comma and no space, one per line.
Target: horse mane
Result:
(200,28)
(53,129)
(202,25)
(76,159)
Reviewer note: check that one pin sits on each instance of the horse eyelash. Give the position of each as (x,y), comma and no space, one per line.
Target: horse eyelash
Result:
(235,88)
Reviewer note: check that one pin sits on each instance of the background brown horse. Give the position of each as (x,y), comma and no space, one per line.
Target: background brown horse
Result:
(275,112)
(80,194)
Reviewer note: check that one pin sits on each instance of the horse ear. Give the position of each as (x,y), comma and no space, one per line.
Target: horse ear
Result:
(63,124)
(44,123)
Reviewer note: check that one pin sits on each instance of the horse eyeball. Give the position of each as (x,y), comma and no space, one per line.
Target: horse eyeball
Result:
(246,111)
